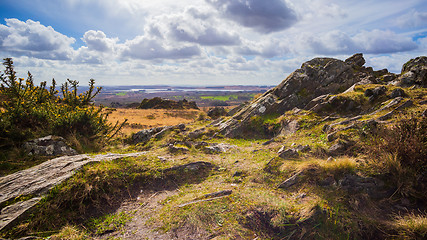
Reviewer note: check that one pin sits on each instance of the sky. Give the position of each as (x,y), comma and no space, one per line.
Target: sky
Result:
(203,42)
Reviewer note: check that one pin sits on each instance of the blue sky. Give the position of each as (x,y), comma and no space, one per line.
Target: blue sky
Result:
(204,42)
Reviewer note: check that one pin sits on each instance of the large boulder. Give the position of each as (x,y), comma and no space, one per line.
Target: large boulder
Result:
(316,77)
(414,72)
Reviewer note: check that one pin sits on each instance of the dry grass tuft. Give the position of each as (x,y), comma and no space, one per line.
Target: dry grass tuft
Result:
(69,233)
(412,226)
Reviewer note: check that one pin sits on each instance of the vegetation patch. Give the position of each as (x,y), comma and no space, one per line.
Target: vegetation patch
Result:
(98,189)
(30,111)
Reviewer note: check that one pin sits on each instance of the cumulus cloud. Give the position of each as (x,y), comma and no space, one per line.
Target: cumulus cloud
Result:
(31,38)
(192,26)
(85,55)
(98,41)
(373,42)
(260,15)
(149,49)
(331,43)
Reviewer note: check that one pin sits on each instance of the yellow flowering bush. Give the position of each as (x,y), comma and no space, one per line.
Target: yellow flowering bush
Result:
(29,111)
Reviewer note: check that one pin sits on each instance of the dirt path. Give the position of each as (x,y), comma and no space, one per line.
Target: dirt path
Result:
(145,206)
(142,209)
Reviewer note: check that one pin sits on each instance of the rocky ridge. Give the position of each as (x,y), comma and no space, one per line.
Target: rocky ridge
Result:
(313,85)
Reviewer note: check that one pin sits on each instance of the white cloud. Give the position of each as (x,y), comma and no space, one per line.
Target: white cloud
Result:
(268,48)
(98,41)
(150,49)
(412,19)
(208,41)
(379,42)
(33,39)
(375,42)
(191,26)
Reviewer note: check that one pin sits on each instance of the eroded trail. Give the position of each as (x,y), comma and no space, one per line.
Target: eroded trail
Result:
(141,209)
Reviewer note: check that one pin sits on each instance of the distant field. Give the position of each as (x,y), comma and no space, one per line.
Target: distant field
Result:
(220,98)
(139,119)
(202,99)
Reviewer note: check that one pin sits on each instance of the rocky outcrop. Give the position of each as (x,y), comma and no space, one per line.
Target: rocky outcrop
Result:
(414,72)
(159,103)
(38,180)
(217,112)
(319,76)
(48,146)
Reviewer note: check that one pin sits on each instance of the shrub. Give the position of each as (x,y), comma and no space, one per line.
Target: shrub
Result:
(29,111)
(400,152)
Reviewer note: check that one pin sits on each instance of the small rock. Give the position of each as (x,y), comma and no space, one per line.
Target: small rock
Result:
(355,183)
(196,133)
(368,92)
(301,196)
(389,77)
(405,105)
(49,146)
(145,135)
(287,153)
(338,148)
(174,149)
(291,181)
(201,145)
(326,128)
(374,93)
(398,92)
(303,148)
(386,116)
(217,148)
(379,90)
(268,142)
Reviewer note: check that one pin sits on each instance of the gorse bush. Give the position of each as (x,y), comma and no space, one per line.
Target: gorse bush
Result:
(29,111)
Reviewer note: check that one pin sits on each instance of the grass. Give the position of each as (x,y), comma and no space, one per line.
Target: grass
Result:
(139,119)
(70,233)
(256,207)
(220,98)
(110,222)
(97,189)
(411,226)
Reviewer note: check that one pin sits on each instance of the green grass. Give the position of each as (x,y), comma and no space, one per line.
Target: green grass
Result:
(121,94)
(220,98)
(110,222)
